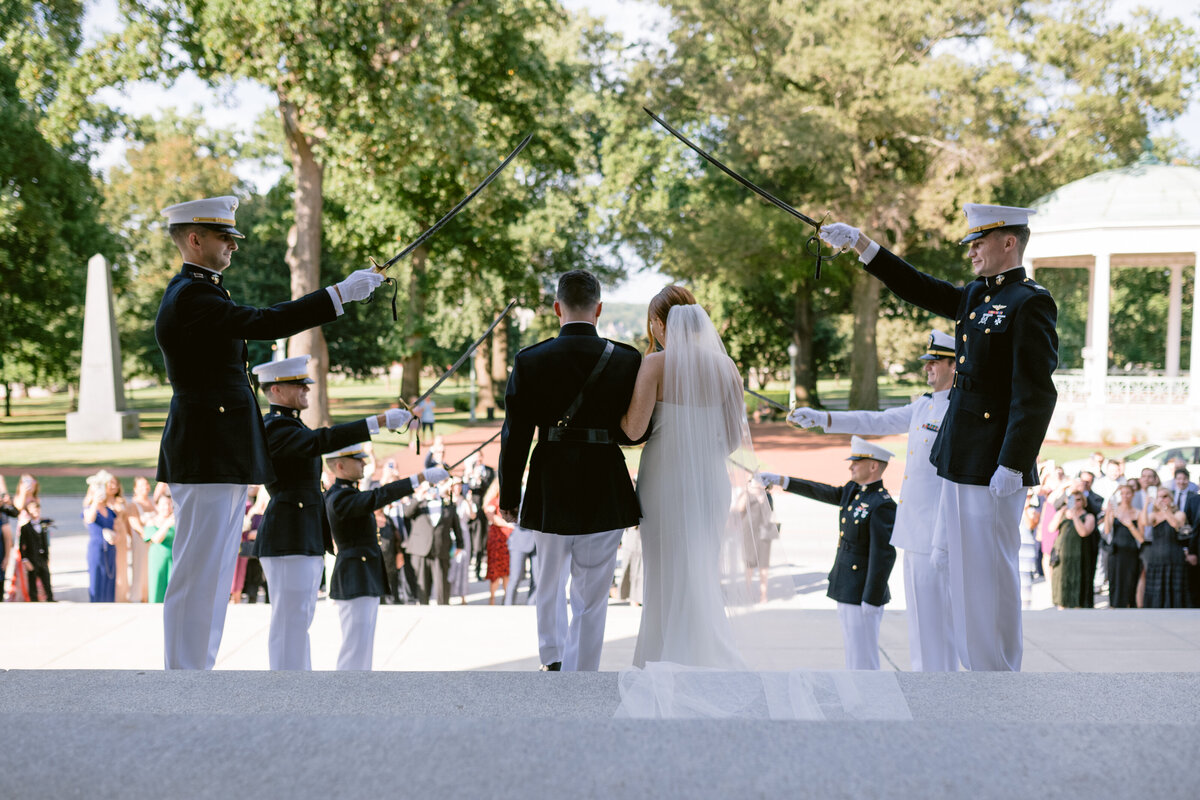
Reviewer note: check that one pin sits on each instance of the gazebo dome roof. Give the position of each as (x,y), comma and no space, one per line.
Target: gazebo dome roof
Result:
(1143,194)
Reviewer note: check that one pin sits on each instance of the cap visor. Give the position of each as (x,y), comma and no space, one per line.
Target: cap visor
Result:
(970,237)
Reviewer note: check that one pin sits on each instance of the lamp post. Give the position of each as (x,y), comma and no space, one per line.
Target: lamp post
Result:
(792,351)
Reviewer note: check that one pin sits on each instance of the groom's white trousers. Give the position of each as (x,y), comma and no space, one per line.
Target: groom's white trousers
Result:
(590,560)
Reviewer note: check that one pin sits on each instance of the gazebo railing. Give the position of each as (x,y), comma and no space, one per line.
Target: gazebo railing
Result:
(1124,389)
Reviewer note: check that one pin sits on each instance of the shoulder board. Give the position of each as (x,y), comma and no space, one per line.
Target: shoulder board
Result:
(534,346)
(1030,283)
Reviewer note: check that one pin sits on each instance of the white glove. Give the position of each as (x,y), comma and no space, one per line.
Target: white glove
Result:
(1004,482)
(807,417)
(769,479)
(939,559)
(397,419)
(359,284)
(435,474)
(839,235)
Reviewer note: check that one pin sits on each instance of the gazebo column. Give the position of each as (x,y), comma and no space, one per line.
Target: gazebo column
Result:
(1095,365)
(1194,362)
(1174,320)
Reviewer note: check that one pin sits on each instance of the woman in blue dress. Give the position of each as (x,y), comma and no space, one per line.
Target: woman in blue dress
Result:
(101,514)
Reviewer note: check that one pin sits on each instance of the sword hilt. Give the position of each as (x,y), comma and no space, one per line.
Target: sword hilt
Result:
(375,265)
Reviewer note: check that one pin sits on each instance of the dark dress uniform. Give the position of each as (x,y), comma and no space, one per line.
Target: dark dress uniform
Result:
(214,431)
(1006,351)
(865,553)
(295,523)
(573,487)
(214,435)
(1000,407)
(34,546)
(359,575)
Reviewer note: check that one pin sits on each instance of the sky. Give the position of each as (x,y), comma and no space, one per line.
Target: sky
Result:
(237,107)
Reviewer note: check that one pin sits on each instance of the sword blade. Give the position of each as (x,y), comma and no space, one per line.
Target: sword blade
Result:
(768,400)
(763,193)
(461,203)
(491,439)
(466,354)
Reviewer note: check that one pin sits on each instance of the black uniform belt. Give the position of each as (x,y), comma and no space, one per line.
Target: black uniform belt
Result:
(967,383)
(578,435)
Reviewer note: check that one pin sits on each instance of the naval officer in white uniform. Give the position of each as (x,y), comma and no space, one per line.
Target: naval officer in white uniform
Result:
(926,581)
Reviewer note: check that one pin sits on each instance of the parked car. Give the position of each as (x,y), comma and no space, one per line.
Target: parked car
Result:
(1155,455)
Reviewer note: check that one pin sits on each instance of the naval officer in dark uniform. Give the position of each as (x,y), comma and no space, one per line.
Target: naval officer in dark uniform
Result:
(1000,407)
(214,444)
(359,577)
(572,390)
(865,555)
(295,531)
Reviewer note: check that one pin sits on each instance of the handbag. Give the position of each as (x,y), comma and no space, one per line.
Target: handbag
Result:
(1055,558)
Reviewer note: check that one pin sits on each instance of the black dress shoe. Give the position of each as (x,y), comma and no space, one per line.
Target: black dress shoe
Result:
(555,667)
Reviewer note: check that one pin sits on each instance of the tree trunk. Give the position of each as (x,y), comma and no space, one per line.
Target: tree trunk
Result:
(411,386)
(7,399)
(500,361)
(484,391)
(303,258)
(864,360)
(803,327)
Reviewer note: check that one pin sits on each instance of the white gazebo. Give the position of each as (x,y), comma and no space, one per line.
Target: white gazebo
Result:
(1145,215)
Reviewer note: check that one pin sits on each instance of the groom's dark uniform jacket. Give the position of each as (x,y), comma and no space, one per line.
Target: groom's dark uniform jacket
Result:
(574,486)
(865,553)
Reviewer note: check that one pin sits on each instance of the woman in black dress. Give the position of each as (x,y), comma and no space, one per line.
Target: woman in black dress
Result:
(1123,529)
(1166,574)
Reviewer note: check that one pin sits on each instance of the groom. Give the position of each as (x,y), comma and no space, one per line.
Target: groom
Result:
(573,389)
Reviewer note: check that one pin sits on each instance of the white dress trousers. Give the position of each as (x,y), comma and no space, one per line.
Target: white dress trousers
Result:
(983,543)
(358,618)
(590,559)
(208,530)
(293,582)
(860,634)
(926,590)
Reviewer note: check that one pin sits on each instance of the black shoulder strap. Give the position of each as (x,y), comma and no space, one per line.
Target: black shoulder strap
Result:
(569,414)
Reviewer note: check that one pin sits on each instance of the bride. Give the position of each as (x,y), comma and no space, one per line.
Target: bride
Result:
(689,393)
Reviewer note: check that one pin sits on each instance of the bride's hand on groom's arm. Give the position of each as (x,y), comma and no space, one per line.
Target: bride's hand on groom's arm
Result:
(510,515)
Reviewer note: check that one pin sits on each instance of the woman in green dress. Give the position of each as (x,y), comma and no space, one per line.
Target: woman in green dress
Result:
(160,533)
(1067,583)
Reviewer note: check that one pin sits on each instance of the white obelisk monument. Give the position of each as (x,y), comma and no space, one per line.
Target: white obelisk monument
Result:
(102,416)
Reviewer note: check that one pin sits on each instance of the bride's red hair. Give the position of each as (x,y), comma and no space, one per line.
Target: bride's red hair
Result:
(660,306)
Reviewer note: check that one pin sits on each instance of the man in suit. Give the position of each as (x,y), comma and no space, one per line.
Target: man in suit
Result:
(359,577)
(433,530)
(1000,407)
(865,556)
(214,443)
(926,587)
(295,532)
(573,390)
(477,477)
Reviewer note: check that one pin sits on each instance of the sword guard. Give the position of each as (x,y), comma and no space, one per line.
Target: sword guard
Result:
(375,265)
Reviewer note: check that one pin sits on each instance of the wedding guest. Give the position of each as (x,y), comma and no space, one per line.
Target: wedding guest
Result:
(632,583)
(138,511)
(258,500)
(460,561)
(1143,499)
(1123,531)
(478,477)
(1029,553)
(393,560)
(159,533)
(434,532)
(27,490)
(424,410)
(1166,561)
(8,511)
(751,508)
(1070,584)
(499,530)
(102,512)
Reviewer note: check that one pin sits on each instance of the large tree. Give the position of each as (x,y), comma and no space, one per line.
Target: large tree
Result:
(889,113)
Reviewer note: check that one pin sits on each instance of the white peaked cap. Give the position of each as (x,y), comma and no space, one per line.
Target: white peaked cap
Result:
(211,212)
(860,448)
(289,370)
(981,219)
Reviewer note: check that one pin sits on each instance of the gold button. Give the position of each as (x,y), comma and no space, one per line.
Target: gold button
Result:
(842,535)
(961,359)
(987,299)
(901,501)
(987,330)
(964,337)
(364,558)
(843,520)
(301,505)
(1025,281)
(972,315)
(999,279)
(221,409)
(854,566)
(986,415)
